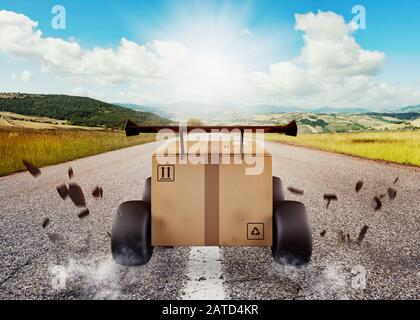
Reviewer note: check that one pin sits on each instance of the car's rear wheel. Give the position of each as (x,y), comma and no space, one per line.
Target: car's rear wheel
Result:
(131,234)
(292,236)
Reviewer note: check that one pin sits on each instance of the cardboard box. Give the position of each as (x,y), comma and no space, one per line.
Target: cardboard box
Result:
(210,203)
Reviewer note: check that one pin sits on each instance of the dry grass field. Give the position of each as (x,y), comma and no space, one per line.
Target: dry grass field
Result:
(44,147)
(394,146)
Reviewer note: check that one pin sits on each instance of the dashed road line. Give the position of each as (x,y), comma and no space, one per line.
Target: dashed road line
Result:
(205,275)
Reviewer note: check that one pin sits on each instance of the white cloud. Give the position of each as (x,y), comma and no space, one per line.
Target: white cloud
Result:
(246,31)
(19,36)
(331,49)
(332,69)
(26,76)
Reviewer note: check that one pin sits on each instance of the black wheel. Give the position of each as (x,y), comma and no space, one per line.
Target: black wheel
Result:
(278,191)
(131,236)
(147,192)
(292,236)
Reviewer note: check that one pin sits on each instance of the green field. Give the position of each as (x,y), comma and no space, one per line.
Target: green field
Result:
(44,147)
(394,146)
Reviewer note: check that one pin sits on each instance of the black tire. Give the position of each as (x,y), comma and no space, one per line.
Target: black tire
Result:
(147,192)
(278,191)
(292,236)
(131,234)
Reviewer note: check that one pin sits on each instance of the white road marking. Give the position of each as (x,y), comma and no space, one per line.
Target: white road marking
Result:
(205,275)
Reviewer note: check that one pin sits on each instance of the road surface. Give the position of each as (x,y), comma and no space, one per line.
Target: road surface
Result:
(70,258)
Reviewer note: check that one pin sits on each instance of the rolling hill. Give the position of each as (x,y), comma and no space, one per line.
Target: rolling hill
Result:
(311,122)
(79,111)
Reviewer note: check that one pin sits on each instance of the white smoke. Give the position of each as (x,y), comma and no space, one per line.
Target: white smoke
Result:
(332,284)
(328,282)
(99,278)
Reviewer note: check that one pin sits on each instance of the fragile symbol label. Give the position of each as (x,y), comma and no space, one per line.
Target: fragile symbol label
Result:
(255,231)
(166,173)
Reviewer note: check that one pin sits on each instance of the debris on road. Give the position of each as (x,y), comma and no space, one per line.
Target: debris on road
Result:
(76,195)
(396,179)
(83,214)
(45,223)
(63,191)
(295,190)
(359,186)
(329,198)
(34,171)
(348,238)
(322,233)
(97,192)
(362,234)
(109,234)
(392,193)
(202,279)
(378,203)
(71,173)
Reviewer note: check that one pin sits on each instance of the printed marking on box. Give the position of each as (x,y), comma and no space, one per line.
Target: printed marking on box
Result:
(255,231)
(166,173)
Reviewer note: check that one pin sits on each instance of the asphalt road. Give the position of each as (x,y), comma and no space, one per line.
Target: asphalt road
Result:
(70,258)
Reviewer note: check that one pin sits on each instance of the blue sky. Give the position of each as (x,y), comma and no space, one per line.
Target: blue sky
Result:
(262,31)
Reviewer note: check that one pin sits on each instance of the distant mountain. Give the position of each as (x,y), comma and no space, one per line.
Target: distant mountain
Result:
(232,113)
(263,109)
(77,110)
(341,110)
(182,111)
(411,109)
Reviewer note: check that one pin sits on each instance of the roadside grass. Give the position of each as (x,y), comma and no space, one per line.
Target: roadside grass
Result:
(53,146)
(401,147)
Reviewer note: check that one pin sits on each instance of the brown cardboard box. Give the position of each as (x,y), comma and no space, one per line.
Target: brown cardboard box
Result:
(211,203)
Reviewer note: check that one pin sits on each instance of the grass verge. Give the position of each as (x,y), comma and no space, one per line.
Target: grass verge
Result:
(401,147)
(47,147)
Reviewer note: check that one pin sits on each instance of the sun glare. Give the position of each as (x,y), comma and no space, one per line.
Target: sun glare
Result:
(221,50)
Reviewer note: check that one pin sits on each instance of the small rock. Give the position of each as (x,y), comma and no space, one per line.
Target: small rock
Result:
(362,234)
(377,203)
(70,172)
(34,171)
(45,223)
(295,190)
(392,193)
(97,192)
(83,214)
(329,198)
(359,186)
(76,195)
(63,191)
